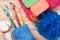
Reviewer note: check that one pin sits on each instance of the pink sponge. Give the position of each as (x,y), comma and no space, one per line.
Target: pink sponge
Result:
(53,3)
(39,7)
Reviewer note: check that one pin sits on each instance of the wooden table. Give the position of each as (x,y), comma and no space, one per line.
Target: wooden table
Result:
(26,20)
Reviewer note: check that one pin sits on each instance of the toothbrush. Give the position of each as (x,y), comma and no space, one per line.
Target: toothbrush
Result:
(19,15)
(7,13)
(15,13)
(12,16)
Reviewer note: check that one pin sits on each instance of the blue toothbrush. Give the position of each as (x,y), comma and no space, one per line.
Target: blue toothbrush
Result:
(6,10)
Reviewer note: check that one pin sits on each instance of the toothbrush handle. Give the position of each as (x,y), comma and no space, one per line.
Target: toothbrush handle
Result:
(17,18)
(19,15)
(11,20)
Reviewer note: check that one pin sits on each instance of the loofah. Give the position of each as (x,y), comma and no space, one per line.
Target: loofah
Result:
(49,25)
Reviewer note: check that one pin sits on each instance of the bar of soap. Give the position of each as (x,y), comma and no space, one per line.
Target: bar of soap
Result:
(39,7)
(29,3)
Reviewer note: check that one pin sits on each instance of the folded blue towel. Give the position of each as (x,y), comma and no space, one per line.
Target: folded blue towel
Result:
(23,33)
(49,25)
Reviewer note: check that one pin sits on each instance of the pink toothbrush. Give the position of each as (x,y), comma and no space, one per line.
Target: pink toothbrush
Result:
(15,13)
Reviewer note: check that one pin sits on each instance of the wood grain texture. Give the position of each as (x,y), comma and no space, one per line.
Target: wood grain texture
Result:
(24,17)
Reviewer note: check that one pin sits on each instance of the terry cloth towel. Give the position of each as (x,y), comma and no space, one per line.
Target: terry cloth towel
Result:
(23,33)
